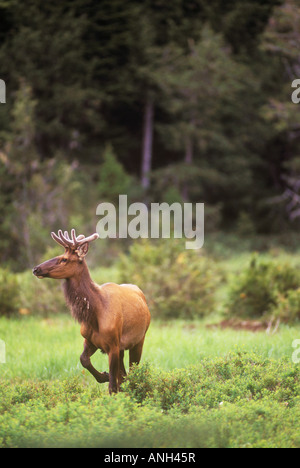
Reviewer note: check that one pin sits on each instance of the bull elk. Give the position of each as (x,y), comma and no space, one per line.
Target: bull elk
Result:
(113,317)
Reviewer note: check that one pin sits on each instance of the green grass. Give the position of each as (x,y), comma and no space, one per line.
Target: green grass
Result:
(196,387)
(50,348)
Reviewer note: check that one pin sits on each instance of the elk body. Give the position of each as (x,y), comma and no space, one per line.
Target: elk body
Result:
(113,317)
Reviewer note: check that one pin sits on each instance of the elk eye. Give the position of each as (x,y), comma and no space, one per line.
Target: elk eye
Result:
(64,260)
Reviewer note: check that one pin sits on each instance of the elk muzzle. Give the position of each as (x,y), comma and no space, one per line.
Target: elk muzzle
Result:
(44,269)
(37,271)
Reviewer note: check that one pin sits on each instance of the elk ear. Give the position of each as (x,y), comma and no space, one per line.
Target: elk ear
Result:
(82,250)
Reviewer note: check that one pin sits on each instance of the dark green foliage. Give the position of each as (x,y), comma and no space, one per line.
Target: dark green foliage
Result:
(114,180)
(48,49)
(224,128)
(243,22)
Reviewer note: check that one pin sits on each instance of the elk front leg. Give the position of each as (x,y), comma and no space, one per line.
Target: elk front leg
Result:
(88,350)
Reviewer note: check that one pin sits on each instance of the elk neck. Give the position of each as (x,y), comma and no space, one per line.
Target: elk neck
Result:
(82,297)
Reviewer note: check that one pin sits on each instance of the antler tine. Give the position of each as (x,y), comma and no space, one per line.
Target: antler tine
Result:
(58,239)
(66,235)
(87,239)
(73,234)
(68,242)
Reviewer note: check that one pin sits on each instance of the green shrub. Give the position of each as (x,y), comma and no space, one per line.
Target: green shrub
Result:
(9,292)
(287,307)
(41,297)
(239,400)
(236,377)
(177,282)
(257,290)
(142,381)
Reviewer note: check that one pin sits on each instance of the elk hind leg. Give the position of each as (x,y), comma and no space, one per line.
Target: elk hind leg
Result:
(135,353)
(114,370)
(122,370)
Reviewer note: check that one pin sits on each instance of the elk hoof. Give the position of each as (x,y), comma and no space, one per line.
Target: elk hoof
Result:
(103,377)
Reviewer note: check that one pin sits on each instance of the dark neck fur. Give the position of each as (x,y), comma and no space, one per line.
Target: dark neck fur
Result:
(81,296)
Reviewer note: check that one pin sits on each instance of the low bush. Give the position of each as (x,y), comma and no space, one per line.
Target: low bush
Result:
(9,293)
(239,376)
(287,307)
(240,400)
(42,297)
(177,282)
(259,289)
(24,294)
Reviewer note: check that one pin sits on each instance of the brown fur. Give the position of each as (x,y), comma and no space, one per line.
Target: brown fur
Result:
(82,298)
(113,317)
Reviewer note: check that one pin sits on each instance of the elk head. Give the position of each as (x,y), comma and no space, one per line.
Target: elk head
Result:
(71,262)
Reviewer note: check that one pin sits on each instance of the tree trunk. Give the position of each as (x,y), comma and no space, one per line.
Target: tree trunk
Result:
(188,159)
(147,142)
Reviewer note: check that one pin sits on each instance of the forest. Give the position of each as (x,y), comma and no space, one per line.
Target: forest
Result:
(188,101)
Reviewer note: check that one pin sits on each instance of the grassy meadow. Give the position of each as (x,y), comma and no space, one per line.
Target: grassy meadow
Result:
(198,385)
(46,349)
